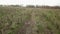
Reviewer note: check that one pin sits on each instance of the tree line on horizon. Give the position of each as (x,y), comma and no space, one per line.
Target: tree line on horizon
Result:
(31,6)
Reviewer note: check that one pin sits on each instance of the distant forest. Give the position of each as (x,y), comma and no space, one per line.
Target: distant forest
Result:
(32,6)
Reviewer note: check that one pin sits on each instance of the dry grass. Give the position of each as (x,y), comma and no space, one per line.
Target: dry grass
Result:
(29,21)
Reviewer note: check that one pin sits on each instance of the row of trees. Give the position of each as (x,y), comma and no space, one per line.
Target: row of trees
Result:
(37,6)
(32,6)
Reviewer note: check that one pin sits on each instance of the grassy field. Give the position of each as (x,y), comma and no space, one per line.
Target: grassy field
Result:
(15,20)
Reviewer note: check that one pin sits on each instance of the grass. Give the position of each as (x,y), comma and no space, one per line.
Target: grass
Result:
(46,21)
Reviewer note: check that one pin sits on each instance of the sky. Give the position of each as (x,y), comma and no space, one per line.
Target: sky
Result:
(30,2)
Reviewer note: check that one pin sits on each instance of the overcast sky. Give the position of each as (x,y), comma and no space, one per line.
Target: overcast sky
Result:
(30,2)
